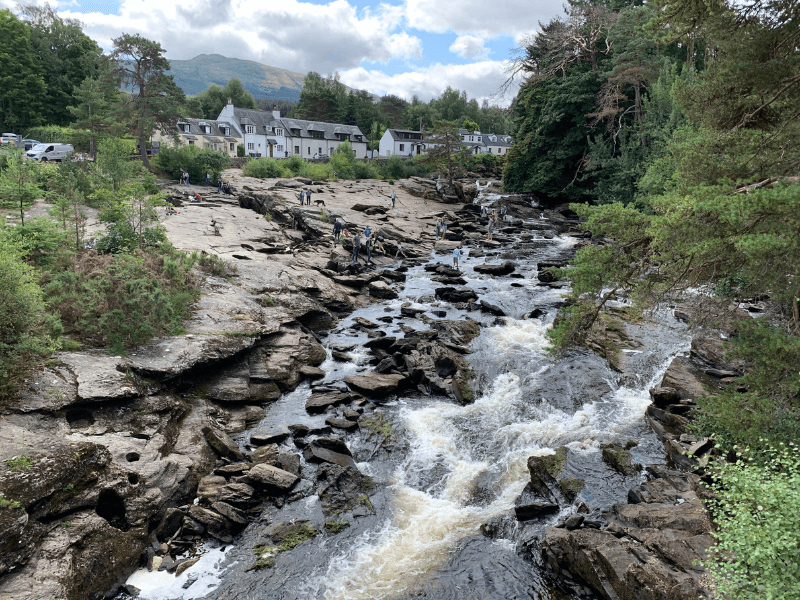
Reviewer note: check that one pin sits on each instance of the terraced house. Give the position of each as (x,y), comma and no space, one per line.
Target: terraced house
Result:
(203,133)
(266,133)
(485,143)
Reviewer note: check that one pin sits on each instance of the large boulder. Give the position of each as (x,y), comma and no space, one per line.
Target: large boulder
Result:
(502,269)
(376,385)
(223,444)
(329,450)
(273,478)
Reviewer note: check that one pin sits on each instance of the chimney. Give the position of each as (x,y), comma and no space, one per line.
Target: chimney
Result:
(275,112)
(230,101)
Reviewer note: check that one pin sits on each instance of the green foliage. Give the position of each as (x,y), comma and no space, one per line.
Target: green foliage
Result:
(19,463)
(22,86)
(446,143)
(757,511)
(262,167)
(192,159)
(112,161)
(11,504)
(240,150)
(215,98)
(343,161)
(18,183)
(335,527)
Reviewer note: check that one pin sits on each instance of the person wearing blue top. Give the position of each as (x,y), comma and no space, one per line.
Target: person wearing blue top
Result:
(456,256)
(366,233)
(438,228)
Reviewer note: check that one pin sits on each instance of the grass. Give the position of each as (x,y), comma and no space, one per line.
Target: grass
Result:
(364,500)
(19,463)
(266,553)
(10,504)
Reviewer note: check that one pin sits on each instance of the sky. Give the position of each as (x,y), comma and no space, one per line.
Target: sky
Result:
(401,47)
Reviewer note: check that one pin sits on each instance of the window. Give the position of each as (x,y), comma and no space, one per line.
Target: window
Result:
(251,146)
(278,131)
(250,129)
(309,150)
(402,147)
(191,142)
(280,147)
(184,127)
(232,149)
(490,150)
(297,149)
(320,151)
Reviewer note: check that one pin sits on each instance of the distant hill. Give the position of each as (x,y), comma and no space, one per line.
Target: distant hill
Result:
(262,81)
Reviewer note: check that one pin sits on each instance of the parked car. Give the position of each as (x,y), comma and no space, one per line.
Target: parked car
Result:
(50,152)
(28,144)
(9,139)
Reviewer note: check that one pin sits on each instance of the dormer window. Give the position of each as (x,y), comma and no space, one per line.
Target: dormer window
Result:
(184,127)
(278,131)
(249,129)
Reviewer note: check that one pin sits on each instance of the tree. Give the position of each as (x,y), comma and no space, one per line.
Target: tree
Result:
(391,109)
(215,98)
(155,99)
(322,99)
(22,86)
(97,99)
(469,124)
(18,185)
(343,161)
(112,161)
(443,143)
(69,185)
(67,57)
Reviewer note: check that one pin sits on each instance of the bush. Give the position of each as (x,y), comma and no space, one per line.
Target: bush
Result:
(125,299)
(395,167)
(192,159)
(25,328)
(262,167)
(757,511)
(343,161)
(363,170)
(240,151)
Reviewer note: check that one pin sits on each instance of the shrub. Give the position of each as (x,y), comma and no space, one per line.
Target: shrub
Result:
(262,167)
(240,150)
(395,167)
(757,510)
(46,134)
(192,159)
(343,161)
(363,170)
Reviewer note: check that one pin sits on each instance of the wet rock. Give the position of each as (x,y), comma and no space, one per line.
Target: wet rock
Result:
(345,424)
(619,459)
(185,565)
(290,463)
(366,323)
(382,290)
(223,444)
(662,396)
(492,309)
(170,524)
(502,269)
(376,385)
(680,376)
(534,314)
(310,372)
(190,527)
(452,294)
(232,513)
(531,504)
(341,488)
(273,478)
(570,487)
(319,403)
(299,430)
(265,455)
(574,522)
(380,343)
(215,524)
(262,438)
(329,450)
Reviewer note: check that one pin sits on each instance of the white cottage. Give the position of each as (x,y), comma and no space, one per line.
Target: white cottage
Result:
(401,142)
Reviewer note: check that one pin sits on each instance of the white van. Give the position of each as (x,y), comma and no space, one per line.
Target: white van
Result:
(10,139)
(50,152)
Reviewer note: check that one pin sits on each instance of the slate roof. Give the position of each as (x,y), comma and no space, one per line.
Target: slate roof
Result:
(265,121)
(194,129)
(396,135)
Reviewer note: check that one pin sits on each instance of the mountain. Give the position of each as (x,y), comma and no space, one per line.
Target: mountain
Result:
(262,81)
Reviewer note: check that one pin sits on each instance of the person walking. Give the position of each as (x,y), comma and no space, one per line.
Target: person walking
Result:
(456,256)
(490,229)
(394,197)
(208,179)
(400,252)
(356,247)
(308,197)
(337,231)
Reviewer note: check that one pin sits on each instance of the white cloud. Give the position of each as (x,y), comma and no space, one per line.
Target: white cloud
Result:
(499,17)
(468,46)
(481,80)
(294,35)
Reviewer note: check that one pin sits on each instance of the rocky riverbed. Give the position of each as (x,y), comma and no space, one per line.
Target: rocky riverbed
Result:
(327,429)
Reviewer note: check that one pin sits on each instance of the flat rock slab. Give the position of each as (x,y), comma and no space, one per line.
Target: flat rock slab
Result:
(223,444)
(262,438)
(98,376)
(167,358)
(376,384)
(319,403)
(446,246)
(311,372)
(502,269)
(346,424)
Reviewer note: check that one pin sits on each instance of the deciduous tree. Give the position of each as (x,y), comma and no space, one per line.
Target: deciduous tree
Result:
(22,87)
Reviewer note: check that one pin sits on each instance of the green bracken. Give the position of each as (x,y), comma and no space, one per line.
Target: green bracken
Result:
(19,463)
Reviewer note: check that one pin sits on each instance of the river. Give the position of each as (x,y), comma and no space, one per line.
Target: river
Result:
(441,521)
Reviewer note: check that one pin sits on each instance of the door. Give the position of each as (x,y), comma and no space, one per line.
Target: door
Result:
(270,150)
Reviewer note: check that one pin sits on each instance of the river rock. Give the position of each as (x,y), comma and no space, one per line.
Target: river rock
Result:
(341,488)
(230,512)
(262,438)
(376,385)
(216,525)
(452,294)
(265,455)
(492,309)
(170,523)
(380,289)
(619,459)
(239,494)
(273,478)
(310,372)
(99,377)
(345,424)
(223,444)
(320,402)
(531,505)
(502,269)
(380,343)
(662,396)
(329,450)
(210,487)
(289,462)
(681,376)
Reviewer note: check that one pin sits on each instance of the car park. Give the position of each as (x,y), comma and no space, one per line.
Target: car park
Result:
(50,152)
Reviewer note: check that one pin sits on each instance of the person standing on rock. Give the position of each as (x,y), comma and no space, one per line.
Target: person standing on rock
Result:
(367,232)
(438,228)
(368,246)
(456,257)
(489,230)
(400,252)
(308,197)
(337,231)
(394,197)
(302,197)
(444,228)
(356,247)
(208,179)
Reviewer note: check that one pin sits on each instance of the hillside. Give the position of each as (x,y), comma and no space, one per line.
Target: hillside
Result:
(262,81)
